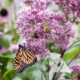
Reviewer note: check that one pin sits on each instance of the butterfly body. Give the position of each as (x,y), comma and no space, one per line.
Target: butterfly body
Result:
(23,59)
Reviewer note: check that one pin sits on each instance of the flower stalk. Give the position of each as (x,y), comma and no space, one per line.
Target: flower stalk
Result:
(62,54)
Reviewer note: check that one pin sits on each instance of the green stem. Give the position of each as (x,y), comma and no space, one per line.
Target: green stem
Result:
(48,71)
(1,76)
(57,76)
(48,75)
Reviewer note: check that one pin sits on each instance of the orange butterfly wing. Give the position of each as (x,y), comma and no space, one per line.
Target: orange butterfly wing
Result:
(23,59)
(28,58)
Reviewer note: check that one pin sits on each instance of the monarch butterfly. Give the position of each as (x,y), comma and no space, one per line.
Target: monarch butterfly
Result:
(23,59)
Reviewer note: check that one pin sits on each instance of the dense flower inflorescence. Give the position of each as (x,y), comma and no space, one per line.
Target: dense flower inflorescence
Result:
(69,7)
(38,4)
(75,69)
(26,22)
(41,4)
(39,26)
(44,24)
(62,34)
(31,27)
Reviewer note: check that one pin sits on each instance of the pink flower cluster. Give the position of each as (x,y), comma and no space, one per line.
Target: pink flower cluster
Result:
(39,27)
(38,4)
(44,24)
(75,69)
(69,7)
(62,35)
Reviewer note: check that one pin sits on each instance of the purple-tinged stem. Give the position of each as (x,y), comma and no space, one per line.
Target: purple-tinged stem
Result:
(62,54)
(74,57)
(73,44)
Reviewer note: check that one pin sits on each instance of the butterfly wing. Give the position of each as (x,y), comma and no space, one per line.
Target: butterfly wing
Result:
(18,64)
(28,58)
(23,59)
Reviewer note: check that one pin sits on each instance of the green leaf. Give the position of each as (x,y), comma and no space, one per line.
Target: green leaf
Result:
(68,75)
(4,42)
(7,72)
(52,47)
(28,72)
(3,61)
(61,66)
(70,53)
(42,68)
(8,2)
(9,32)
(16,36)
(36,76)
(9,54)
